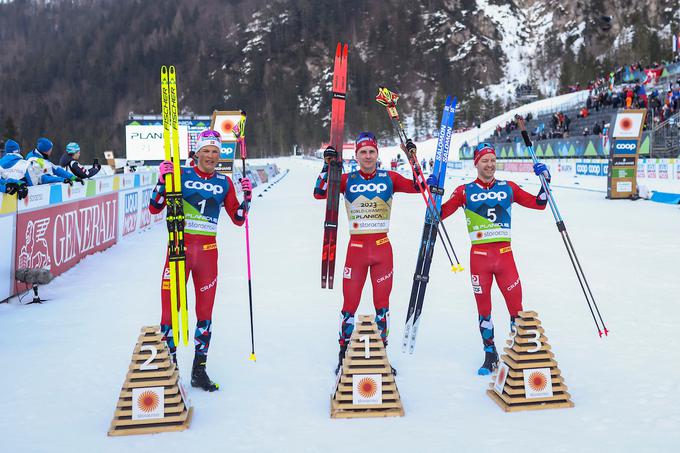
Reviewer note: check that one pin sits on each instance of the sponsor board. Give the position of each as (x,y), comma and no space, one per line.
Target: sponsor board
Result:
(624,186)
(592,168)
(7,262)
(623,161)
(522,167)
(38,197)
(625,147)
(56,238)
(628,125)
(130,207)
(623,173)
(145,142)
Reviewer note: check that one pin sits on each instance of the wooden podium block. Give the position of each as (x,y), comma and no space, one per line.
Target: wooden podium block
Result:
(366,375)
(150,373)
(527,377)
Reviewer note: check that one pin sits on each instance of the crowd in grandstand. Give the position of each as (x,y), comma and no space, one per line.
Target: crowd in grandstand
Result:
(19,171)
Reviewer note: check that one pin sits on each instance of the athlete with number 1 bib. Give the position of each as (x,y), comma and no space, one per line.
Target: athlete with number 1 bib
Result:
(204,192)
(368,199)
(488,202)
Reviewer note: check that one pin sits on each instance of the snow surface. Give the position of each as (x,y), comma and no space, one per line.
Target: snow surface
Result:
(63,362)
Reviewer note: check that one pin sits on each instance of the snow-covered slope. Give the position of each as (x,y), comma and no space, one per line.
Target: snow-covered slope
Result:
(63,362)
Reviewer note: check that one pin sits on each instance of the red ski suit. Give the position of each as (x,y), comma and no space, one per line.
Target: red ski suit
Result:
(494,259)
(371,250)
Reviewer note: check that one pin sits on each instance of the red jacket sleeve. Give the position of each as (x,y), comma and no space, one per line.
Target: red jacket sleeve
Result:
(321,186)
(527,200)
(235,209)
(456,201)
(401,184)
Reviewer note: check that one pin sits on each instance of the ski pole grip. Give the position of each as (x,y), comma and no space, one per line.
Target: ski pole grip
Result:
(527,140)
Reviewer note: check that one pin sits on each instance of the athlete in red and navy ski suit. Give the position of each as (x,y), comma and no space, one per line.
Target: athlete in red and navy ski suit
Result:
(203,195)
(368,198)
(488,204)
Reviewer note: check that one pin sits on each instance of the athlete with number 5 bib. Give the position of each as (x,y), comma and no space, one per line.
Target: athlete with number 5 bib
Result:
(368,199)
(488,202)
(204,192)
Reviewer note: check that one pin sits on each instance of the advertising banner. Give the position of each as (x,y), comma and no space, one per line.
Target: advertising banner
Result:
(591,168)
(56,238)
(224,122)
(6,249)
(145,142)
(622,179)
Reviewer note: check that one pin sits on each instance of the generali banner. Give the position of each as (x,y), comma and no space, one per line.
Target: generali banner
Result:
(57,237)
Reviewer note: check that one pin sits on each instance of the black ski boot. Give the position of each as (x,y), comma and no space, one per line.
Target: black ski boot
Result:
(199,378)
(341,356)
(490,363)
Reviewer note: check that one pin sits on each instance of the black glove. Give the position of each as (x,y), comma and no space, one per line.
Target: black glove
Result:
(330,154)
(95,164)
(11,188)
(68,181)
(410,146)
(80,180)
(22,191)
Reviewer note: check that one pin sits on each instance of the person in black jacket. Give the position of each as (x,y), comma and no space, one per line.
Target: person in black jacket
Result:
(70,162)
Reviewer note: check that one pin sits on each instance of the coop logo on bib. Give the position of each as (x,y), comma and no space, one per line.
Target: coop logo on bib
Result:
(483,196)
(200,185)
(370,187)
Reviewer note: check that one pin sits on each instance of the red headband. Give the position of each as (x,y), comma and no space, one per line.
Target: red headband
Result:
(483,152)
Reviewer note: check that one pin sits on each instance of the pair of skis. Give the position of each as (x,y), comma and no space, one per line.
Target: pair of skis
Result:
(432,218)
(330,225)
(175,208)
(421,275)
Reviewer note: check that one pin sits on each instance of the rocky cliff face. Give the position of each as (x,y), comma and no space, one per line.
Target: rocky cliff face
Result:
(74,69)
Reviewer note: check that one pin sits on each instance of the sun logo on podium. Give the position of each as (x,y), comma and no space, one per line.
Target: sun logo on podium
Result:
(537,381)
(367,387)
(147,401)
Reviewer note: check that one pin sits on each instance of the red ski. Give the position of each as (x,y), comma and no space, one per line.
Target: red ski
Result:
(330,225)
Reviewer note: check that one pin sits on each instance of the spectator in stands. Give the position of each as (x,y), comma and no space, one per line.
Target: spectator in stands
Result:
(629,97)
(13,171)
(42,171)
(597,129)
(423,164)
(567,122)
(431,164)
(69,161)
(585,131)
(583,113)
(641,93)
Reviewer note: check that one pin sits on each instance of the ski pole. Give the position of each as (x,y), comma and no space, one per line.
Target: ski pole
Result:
(388,99)
(561,227)
(240,133)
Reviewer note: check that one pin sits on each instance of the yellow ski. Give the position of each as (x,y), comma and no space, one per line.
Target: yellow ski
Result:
(175,209)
